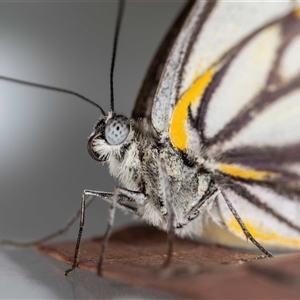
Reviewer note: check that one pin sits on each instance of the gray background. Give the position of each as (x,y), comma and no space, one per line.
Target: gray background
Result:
(43,134)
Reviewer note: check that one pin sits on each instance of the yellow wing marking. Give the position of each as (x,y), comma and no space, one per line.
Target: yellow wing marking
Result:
(238,171)
(297,12)
(263,235)
(178,126)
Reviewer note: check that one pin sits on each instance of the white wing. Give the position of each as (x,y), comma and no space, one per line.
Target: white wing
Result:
(231,89)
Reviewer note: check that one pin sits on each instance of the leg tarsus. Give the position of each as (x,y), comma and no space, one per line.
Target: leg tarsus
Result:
(171,222)
(51,236)
(111,218)
(114,198)
(171,242)
(244,228)
(81,226)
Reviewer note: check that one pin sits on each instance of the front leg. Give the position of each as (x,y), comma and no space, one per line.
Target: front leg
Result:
(200,203)
(211,193)
(119,197)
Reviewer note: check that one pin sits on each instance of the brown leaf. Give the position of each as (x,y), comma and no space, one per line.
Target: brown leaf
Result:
(135,255)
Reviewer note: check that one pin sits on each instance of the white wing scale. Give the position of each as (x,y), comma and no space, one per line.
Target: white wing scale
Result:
(248,118)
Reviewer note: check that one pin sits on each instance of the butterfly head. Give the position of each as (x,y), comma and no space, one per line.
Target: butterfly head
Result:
(111,134)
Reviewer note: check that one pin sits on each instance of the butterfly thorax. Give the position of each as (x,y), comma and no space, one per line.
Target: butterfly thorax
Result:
(136,167)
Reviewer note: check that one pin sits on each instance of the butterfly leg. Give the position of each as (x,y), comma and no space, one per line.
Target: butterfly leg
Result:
(51,236)
(201,204)
(119,196)
(244,228)
(167,199)
(66,227)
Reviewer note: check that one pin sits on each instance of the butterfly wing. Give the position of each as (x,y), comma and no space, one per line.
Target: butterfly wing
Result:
(257,142)
(144,101)
(209,32)
(229,89)
(248,118)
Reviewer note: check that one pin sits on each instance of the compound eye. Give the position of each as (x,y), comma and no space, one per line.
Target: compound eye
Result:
(116,130)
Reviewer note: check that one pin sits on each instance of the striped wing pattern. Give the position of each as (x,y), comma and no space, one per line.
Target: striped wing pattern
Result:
(232,86)
(258,147)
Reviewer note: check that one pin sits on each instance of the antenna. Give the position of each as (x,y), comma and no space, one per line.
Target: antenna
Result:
(53,88)
(112,67)
(113,59)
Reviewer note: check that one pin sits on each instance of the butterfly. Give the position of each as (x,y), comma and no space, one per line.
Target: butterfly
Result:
(214,136)
(220,111)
